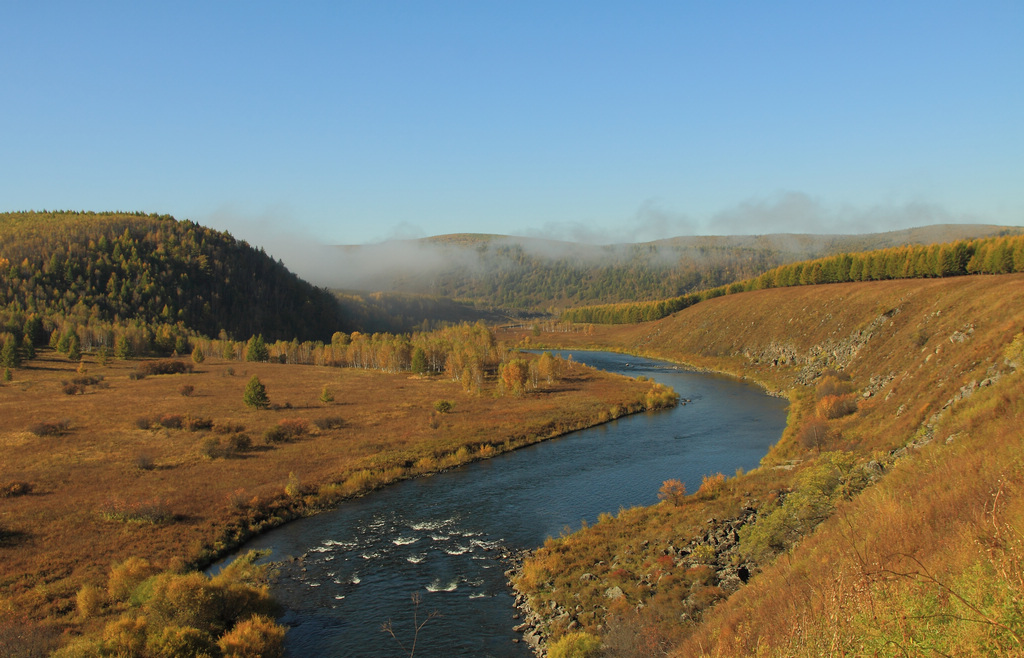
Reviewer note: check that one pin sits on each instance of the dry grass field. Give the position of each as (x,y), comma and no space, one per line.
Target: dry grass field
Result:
(203,475)
(918,383)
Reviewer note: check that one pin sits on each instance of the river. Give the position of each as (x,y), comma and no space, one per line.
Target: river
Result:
(445,538)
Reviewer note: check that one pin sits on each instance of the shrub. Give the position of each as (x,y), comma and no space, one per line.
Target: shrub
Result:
(835,406)
(197,355)
(275,434)
(239,443)
(174,641)
(195,423)
(660,396)
(444,406)
(326,395)
(832,383)
(294,427)
(210,448)
(329,423)
(70,388)
(89,601)
(578,644)
(144,462)
(711,485)
(136,376)
(293,487)
(138,511)
(815,434)
(228,428)
(127,575)
(187,390)
(15,488)
(673,491)
(172,421)
(164,367)
(256,637)
(51,428)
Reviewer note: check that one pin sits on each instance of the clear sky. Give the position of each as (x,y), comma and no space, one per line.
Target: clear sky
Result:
(353,122)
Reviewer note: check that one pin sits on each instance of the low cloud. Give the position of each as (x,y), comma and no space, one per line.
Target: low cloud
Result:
(796,212)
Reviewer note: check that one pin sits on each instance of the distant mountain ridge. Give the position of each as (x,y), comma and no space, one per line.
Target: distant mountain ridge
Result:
(539,274)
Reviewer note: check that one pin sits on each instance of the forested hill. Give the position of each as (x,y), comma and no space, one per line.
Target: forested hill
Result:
(163,277)
(532,273)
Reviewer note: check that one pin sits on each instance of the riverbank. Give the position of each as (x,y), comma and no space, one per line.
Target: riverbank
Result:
(910,385)
(200,475)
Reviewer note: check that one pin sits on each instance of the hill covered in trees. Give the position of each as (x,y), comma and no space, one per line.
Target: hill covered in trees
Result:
(530,273)
(994,255)
(150,276)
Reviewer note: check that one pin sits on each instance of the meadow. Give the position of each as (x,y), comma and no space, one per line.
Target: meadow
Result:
(103,462)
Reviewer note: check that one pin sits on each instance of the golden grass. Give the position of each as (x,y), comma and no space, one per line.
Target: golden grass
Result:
(925,362)
(97,488)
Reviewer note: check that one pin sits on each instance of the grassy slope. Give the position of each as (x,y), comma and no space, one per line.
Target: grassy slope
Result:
(913,345)
(58,537)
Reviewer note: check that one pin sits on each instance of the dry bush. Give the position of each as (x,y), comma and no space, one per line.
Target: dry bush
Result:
(196,423)
(711,485)
(832,383)
(835,406)
(287,429)
(815,434)
(152,510)
(329,423)
(239,443)
(89,601)
(256,636)
(187,390)
(164,367)
(15,488)
(144,462)
(228,427)
(127,575)
(51,428)
(171,421)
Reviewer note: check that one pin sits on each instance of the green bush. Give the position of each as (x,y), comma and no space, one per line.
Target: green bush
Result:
(575,645)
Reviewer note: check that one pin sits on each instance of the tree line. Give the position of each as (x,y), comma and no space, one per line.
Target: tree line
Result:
(999,255)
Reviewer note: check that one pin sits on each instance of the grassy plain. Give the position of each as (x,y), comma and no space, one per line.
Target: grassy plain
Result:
(103,489)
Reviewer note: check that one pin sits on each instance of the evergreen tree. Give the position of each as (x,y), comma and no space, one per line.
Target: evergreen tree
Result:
(74,348)
(256,394)
(28,347)
(9,357)
(257,349)
(123,348)
(419,361)
(197,354)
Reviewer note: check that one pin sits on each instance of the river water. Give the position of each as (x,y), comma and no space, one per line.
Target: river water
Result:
(446,538)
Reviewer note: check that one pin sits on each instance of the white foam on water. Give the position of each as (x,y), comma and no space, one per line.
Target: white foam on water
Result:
(416,559)
(436,586)
(404,541)
(440,537)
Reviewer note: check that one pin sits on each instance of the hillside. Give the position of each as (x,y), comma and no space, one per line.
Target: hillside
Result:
(887,519)
(104,272)
(533,273)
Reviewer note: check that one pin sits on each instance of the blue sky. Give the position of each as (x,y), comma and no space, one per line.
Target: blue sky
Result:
(351,122)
